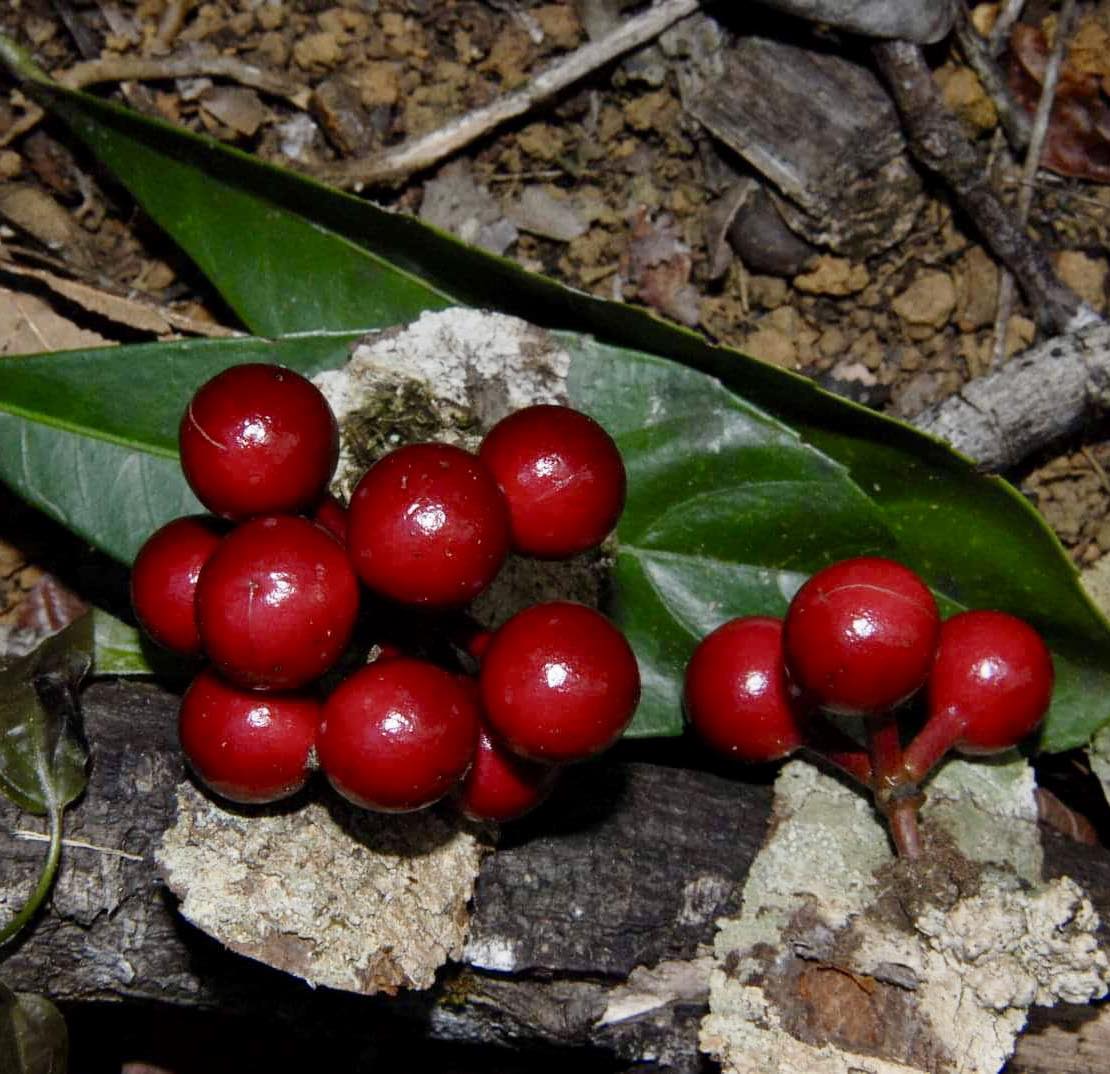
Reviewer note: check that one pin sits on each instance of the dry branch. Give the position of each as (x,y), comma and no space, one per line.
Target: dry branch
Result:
(938,142)
(1048,392)
(419,153)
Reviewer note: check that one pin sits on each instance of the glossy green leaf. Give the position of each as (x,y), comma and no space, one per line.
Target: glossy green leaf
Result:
(33,1035)
(974,538)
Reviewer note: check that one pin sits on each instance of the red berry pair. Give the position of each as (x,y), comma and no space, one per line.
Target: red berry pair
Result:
(860,638)
(431,525)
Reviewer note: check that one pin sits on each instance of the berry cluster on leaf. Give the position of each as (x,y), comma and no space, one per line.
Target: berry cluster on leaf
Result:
(859,640)
(270,592)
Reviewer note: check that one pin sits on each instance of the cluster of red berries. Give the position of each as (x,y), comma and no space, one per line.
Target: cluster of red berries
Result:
(860,638)
(270,592)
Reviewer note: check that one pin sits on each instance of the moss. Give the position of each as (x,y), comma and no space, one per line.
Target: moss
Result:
(403,412)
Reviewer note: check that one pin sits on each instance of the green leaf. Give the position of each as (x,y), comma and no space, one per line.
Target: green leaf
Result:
(33,1036)
(42,758)
(976,541)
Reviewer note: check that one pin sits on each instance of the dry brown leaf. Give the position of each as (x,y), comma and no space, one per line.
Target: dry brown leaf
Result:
(28,325)
(139,315)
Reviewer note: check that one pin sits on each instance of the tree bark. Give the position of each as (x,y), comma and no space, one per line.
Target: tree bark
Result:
(590,926)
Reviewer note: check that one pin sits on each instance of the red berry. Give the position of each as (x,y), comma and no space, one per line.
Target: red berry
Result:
(332,515)
(398,735)
(427,525)
(276,603)
(860,635)
(562,476)
(246,746)
(559,682)
(164,581)
(992,678)
(258,439)
(738,696)
(501,786)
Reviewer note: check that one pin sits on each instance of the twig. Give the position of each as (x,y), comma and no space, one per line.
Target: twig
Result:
(1047,392)
(938,142)
(1037,137)
(1003,24)
(419,153)
(80,844)
(187,65)
(979,58)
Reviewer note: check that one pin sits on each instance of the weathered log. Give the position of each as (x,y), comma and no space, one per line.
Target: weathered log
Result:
(590,921)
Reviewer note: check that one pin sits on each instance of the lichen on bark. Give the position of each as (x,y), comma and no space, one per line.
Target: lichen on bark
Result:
(843,960)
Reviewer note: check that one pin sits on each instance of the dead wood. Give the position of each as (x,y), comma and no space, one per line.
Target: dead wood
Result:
(590,921)
(824,134)
(1046,393)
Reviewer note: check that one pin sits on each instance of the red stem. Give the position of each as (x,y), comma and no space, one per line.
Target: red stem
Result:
(828,741)
(886,751)
(896,796)
(930,744)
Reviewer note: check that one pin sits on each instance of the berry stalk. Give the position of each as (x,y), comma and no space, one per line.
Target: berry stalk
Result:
(895,797)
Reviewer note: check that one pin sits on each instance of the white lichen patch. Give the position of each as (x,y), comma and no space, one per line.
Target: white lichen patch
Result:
(833,967)
(455,371)
(338,896)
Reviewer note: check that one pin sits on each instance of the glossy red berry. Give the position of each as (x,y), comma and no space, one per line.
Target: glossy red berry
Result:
(398,735)
(559,683)
(501,786)
(860,635)
(276,603)
(992,680)
(332,515)
(738,696)
(562,476)
(427,525)
(246,746)
(258,439)
(164,581)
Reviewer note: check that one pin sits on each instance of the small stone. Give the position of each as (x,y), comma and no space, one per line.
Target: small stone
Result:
(379,83)
(317,51)
(976,290)
(1102,535)
(835,276)
(11,164)
(832,342)
(559,23)
(769,292)
(1020,333)
(1086,276)
(270,16)
(928,301)
(785,319)
(963,93)
(770,345)
(868,349)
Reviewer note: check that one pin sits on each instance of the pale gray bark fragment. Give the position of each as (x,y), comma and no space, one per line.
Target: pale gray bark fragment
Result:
(1038,397)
